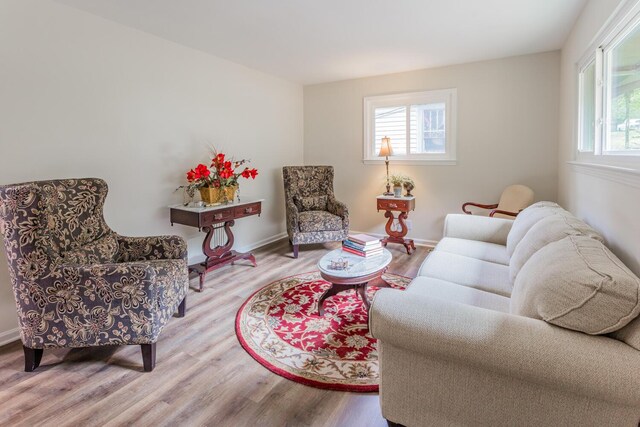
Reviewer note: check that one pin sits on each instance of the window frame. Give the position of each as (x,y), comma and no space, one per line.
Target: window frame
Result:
(446,96)
(623,22)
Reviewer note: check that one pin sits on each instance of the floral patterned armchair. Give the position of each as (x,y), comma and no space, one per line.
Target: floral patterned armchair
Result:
(79,284)
(313,213)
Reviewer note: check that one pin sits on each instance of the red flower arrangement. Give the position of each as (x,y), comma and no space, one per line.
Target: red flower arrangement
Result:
(223,172)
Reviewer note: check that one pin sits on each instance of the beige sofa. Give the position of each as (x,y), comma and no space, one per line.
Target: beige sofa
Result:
(525,322)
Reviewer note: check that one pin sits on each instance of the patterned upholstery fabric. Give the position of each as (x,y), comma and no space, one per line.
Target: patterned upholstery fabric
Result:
(312,203)
(302,182)
(311,221)
(76,282)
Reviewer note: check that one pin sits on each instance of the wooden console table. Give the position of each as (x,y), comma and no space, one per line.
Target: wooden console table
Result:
(209,220)
(402,205)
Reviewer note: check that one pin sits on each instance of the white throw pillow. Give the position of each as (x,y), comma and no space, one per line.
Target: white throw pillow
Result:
(547,230)
(577,283)
(527,218)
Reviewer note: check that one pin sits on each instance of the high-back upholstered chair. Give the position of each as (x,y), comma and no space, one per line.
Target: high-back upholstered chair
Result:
(313,213)
(514,198)
(79,284)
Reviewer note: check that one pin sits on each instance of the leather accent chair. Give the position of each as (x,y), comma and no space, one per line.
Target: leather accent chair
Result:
(514,198)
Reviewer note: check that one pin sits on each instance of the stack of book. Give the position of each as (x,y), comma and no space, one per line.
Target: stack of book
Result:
(362,245)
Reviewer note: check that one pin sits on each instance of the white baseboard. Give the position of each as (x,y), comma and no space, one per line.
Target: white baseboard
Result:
(418,242)
(198,258)
(9,336)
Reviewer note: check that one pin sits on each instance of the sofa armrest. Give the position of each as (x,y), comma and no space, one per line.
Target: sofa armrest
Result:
(132,249)
(474,227)
(515,346)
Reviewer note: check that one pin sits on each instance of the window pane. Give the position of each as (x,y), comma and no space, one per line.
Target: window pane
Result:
(588,108)
(428,128)
(623,121)
(391,122)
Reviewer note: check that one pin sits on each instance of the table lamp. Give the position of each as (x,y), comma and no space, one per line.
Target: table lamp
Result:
(386,150)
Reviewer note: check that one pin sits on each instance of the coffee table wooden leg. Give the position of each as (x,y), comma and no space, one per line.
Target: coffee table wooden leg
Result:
(362,290)
(333,290)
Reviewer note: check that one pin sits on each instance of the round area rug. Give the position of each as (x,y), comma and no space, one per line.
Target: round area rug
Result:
(279,326)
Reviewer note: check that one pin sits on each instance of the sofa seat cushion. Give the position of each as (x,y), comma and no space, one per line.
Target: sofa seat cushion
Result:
(527,218)
(491,252)
(548,230)
(311,221)
(466,271)
(436,288)
(577,283)
(101,251)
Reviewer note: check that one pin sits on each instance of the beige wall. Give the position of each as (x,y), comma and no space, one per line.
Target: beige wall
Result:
(82,96)
(611,207)
(507,133)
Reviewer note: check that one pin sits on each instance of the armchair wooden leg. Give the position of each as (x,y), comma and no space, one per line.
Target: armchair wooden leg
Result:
(182,308)
(295,250)
(148,356)
(32,358)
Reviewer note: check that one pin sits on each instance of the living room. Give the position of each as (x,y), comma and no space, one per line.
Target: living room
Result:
(138,93)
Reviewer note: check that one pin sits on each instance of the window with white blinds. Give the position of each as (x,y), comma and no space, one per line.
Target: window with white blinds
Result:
(421,126)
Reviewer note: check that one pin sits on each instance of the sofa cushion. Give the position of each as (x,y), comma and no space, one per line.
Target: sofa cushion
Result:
(319,221)
(527,218)
(577,283)
(629,334)
(436,288)
(311,203)
(485,251)
(547,230)
(466,271)
(101,251)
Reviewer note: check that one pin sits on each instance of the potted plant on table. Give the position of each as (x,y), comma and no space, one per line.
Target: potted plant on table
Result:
(218,183)
(397,181)
(408,185)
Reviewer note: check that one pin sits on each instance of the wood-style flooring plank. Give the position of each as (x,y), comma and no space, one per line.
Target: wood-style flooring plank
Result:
(202,376)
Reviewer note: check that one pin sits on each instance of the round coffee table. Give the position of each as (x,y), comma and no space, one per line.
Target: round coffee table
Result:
(360,273)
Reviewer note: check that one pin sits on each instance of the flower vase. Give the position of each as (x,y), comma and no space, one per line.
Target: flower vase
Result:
(397,191)
(212,195)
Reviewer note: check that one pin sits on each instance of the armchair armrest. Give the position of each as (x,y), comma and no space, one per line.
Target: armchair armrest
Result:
(477,205)
(515,346)
(292,216)
(337,208)
(473,227)
(500,211)
(150,248)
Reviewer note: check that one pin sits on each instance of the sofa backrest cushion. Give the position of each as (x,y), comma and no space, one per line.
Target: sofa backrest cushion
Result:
(101,251)
(527,218)
(577,283)
(549,229)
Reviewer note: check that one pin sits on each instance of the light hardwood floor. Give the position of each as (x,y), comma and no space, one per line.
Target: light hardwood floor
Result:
(202,376)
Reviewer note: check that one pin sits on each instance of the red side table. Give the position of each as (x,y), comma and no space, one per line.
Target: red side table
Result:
(402,205)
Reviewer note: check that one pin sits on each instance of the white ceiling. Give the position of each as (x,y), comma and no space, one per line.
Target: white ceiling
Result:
(327,40)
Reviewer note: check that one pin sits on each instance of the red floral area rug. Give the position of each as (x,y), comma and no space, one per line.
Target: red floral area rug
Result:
(279,326)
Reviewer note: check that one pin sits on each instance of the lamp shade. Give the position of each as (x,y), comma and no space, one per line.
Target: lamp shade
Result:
(385,148)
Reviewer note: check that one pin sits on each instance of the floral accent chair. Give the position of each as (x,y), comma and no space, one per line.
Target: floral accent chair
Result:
(79,284)
(313,213)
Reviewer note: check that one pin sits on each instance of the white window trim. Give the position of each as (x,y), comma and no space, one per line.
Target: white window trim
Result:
(626,15)
(448,96)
